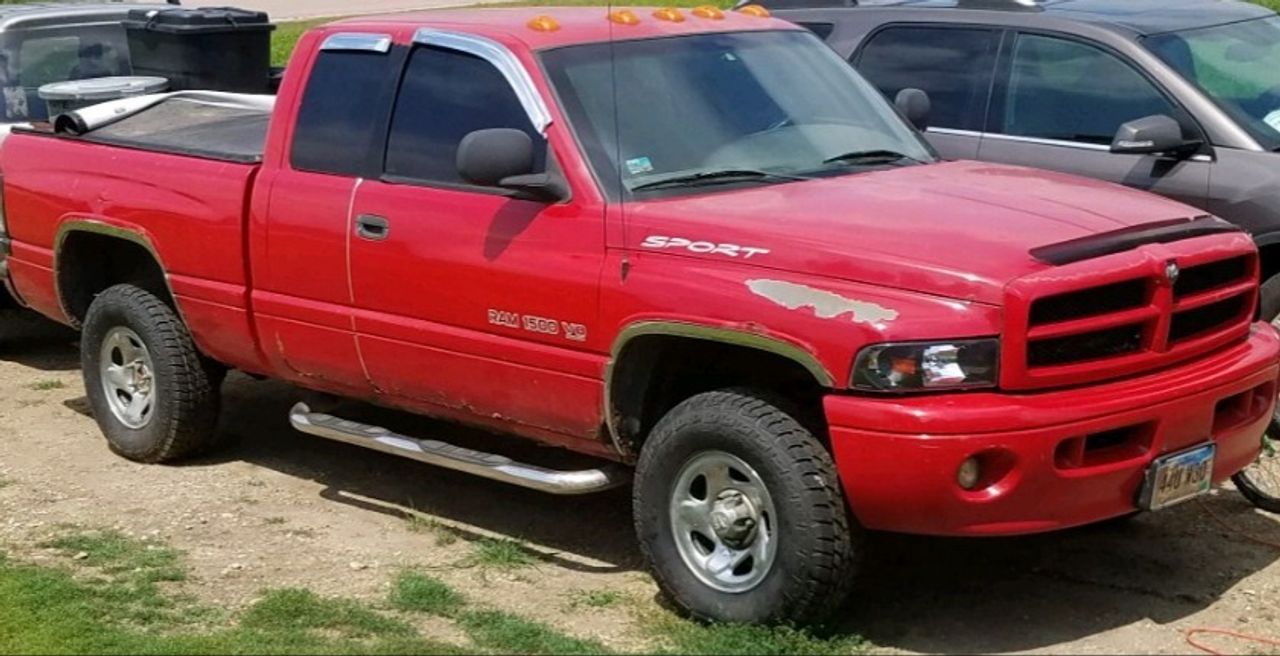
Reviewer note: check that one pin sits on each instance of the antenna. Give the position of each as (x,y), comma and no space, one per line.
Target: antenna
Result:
(617,145)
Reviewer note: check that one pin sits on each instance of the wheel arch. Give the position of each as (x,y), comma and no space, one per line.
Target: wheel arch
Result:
(635,368)
(135,252)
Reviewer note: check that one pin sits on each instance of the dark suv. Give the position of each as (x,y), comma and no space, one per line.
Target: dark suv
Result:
(1178,97)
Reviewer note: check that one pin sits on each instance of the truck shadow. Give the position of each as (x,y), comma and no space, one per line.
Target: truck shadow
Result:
(928,595)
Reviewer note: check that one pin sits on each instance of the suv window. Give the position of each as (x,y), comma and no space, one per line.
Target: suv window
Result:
(336,126)
(446,95)
(1070,91)
(954,66)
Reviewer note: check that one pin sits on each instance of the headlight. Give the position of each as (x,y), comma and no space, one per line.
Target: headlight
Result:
(913,366)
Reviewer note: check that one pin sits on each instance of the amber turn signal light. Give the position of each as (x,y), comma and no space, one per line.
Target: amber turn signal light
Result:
(624,17)
(707,11)
(754,10)
(669,14)
(544,24)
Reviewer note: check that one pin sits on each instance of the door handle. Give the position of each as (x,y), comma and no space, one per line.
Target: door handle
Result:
(372,227)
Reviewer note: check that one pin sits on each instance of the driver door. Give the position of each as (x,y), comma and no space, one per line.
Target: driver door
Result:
(468,301)
(1058,106)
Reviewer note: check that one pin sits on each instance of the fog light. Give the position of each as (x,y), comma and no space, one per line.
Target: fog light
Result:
(969,473)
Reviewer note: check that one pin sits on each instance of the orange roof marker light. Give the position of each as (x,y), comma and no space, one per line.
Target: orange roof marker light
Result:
(754,10)
(624,17)
(708,11)
(669,14)
(544,24)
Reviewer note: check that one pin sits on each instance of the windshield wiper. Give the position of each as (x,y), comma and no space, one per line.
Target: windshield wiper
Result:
(723,176)
(878,156)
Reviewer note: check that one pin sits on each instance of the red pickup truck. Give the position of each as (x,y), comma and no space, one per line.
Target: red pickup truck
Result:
(692,243)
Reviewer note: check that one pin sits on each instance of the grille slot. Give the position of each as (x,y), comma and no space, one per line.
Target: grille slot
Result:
(1194,323)
(1206,277)
(1091,302)
(1082,347)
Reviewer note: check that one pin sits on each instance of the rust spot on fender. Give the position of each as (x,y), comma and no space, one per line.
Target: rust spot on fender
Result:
(825,304)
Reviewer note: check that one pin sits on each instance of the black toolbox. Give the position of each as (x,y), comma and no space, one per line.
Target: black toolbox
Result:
(214,48)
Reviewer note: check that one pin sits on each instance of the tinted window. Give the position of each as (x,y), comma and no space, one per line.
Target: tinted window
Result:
(1060,89)
(339,120)
(446,95)
(1238,65)
(954,66)
(30,59)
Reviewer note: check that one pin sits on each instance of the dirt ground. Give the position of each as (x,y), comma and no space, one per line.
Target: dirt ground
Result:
(282,509)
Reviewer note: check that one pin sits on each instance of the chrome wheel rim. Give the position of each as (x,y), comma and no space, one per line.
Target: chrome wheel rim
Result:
(724,522)
(128,377)
(1264,473)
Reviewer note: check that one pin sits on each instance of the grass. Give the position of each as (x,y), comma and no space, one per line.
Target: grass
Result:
(595,599)
(500,554)
(48,385)
(490,630)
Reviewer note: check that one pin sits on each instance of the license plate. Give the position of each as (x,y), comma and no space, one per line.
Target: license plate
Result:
(1177,477)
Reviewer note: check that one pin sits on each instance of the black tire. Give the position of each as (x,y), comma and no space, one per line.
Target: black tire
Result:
(1260,482)
(184,414)
(1264,493)
(817,541)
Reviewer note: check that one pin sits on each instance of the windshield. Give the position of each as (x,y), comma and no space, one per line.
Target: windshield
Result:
(714,110)
(1238,65)
(30,59)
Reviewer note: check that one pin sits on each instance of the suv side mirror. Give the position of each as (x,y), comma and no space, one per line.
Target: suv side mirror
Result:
(915,106)
(503,157)
(1153,135)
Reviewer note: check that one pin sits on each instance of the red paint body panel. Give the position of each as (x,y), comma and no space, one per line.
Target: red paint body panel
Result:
(504,313)
(899,455)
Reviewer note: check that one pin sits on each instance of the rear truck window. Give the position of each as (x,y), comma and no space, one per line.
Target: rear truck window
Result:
(338,124)
(30,59)
(446,95)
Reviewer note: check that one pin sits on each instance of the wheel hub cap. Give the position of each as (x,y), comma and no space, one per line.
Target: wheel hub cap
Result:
(128,381)
(734,518)
(723,522)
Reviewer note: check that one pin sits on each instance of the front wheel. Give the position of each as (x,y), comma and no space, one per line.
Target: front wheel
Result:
(740,515)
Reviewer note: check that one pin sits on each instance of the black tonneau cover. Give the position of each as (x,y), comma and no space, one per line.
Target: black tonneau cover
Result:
(184,126)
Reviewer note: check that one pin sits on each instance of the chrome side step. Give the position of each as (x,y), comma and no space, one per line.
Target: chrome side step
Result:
(441,454)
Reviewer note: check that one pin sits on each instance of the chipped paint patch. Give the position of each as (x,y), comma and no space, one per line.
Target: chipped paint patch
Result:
(826,305)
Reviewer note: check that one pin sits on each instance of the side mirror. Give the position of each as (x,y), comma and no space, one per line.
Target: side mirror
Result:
(1152,135)
(915,106)
(503,157)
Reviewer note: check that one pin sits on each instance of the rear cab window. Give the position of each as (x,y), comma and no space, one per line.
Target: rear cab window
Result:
(339,122)
(954,65)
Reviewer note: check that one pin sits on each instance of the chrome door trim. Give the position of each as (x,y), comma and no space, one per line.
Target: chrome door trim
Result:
(358,42)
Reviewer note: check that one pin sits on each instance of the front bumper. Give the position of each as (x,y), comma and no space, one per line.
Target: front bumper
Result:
(1051,460)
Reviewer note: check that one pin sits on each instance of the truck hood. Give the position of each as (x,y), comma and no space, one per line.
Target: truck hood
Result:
(963,230)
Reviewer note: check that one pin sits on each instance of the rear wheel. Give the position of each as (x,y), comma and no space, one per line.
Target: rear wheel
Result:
(740,515)
(154,397)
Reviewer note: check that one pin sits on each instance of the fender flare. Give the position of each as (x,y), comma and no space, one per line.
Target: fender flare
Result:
(686,330)
(100,227)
